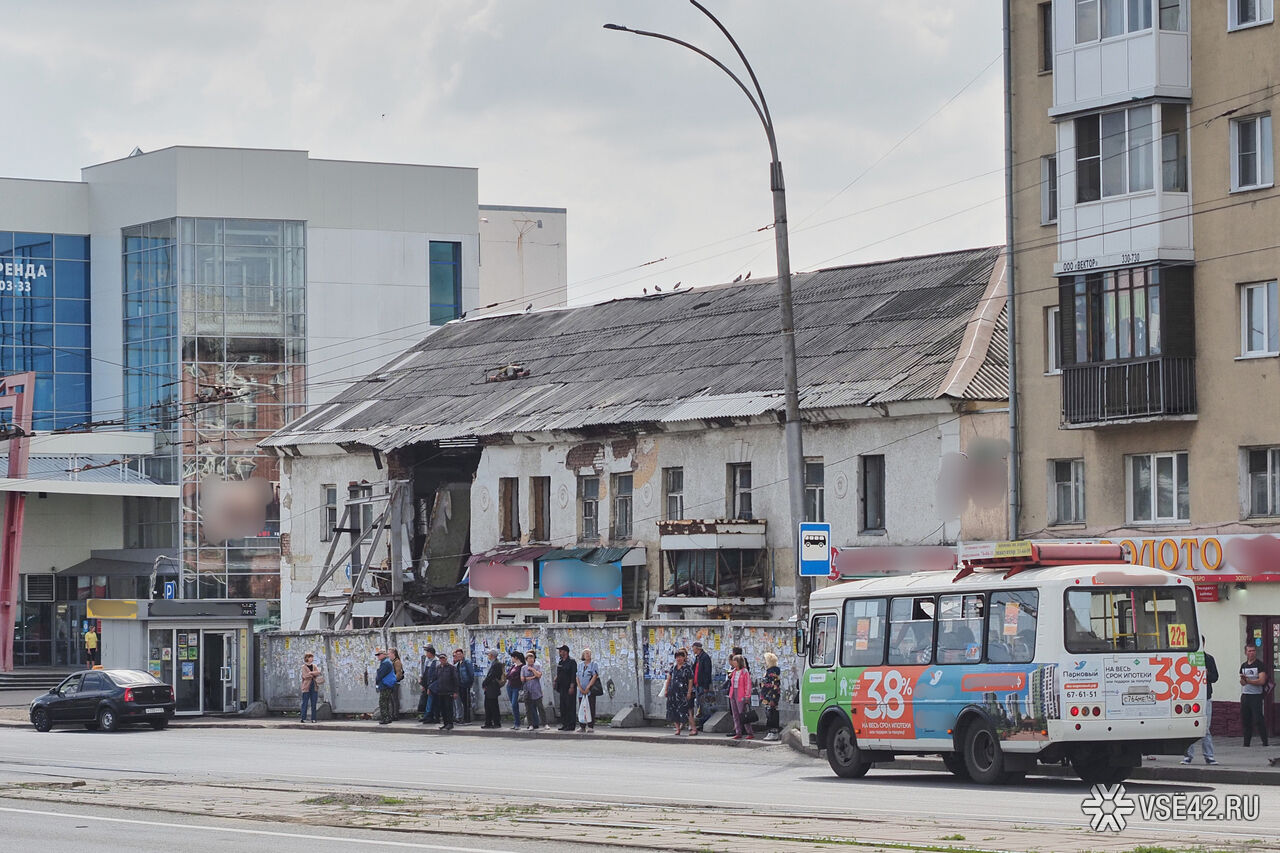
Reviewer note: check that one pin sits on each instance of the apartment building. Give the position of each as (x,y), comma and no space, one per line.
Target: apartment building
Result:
(1145,260)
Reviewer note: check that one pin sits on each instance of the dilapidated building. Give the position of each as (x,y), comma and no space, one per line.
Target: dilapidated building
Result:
(626,459)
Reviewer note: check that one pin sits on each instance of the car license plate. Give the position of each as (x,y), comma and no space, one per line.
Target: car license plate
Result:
(155,710)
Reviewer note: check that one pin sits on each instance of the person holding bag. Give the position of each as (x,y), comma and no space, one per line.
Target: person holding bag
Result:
(312,678)
(679,690)
(515,682)
(740,699)
(589,688)
(771,694)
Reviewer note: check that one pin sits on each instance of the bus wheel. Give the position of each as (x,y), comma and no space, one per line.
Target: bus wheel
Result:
(843,754)
(954,762)
(1097,771)
(983,757)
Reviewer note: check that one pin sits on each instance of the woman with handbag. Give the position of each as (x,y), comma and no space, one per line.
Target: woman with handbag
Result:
(312,678)
(679,690)
(589,688)
(771,694)
(515,683)
(740,699)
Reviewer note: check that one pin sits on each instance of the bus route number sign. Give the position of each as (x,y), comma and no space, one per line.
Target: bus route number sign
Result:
(815,549)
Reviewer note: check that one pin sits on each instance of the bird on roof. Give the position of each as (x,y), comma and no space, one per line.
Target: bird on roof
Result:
(747,276)
(677,284)
(529,307)
(645,290)
(658,289)
(736,280)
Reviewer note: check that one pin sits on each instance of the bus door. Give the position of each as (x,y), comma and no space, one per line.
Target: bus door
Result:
(820,677)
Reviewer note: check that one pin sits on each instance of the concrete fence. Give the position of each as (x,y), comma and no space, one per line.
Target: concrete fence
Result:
(633,658)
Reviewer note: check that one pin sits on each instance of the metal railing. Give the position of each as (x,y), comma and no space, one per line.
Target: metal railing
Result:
(1144,388)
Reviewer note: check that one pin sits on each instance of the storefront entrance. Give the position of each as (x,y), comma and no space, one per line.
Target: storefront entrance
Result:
(1264,633)
(201,664)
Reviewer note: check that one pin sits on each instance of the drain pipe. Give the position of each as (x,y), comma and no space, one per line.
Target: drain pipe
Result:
(1015,493)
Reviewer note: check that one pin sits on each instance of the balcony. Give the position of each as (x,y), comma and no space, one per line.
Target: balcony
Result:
(1116,392)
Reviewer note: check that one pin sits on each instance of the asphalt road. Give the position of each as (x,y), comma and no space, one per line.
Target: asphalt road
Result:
(567,771)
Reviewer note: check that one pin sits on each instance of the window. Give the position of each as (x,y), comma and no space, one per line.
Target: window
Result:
(740,491)
(911,630)
(589,506)
(1114,154)
(871,496)
(1086,21)
(960,621)
(1011,626)
(360,504)
(1248,13)
(1052,343)
(1259,321)
(1140,619)
(445,282)
(1251,163)
(1159,489)
(622,484)
(1264,481)
(1045,11)
(1110,18)
(540,509)
(1173,148)
(509,509)
(864,632)
(715,573)
(1066,495)
(1173,15)
(815,508)
(1048,189)
(1117,314)
(329,514)
(673,493)
(822,648)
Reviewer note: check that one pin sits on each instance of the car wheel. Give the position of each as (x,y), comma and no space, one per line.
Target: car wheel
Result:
(159,724)
(954,762)
(983,757)
(843,754)
(107,720)
(40,719)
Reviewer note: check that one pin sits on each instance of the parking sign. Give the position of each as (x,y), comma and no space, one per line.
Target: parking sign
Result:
(170,589)
(815,549)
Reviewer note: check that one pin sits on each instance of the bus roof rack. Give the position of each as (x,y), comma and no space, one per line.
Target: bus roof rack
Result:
(1019,556)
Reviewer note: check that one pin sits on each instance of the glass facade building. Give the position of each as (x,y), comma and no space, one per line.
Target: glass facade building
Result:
(44,322)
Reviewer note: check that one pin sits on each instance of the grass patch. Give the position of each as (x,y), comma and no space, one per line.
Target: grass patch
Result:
(954,837)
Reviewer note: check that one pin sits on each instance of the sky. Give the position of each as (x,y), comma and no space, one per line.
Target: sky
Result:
(887,115)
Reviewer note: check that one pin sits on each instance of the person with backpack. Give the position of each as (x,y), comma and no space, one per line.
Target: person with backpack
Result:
(427,706)
(394,654)
(384,681)
(466,677)
(1206,742)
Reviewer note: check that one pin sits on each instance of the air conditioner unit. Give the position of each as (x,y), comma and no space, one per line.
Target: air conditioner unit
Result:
(39,588)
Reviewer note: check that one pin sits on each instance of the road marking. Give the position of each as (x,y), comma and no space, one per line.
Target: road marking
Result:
(237,831)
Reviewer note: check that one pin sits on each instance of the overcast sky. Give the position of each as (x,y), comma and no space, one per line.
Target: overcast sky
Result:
(888,114)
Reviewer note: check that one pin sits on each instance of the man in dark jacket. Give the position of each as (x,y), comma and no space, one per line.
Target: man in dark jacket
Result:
(466,677)
(1206,743)
(427,704)
(492,685)
(566,684)
(444,690)
(702,690)
(384,681)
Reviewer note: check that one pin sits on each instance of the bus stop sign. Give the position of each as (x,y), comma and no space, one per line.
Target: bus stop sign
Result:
(815,549)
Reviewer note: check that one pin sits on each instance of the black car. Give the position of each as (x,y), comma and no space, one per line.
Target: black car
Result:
(105,699)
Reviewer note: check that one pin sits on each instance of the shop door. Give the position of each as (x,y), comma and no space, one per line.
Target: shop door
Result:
(220,671)
(1264,633)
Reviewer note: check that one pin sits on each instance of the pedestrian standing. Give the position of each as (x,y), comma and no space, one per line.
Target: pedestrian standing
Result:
(740,697)
(771,694)
(566,685)
(679,690)
(310,688)
(531,675)
(1206,742)
(515,685)
(427,704)
(589,688)
(466,678)
(492,687)
(444,690)
(384,681)
(398,666)
(703,692)
(1253,682)
(91,656)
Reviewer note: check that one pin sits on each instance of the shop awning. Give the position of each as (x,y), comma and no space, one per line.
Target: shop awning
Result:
(503,572)
(103,567)
(591,556)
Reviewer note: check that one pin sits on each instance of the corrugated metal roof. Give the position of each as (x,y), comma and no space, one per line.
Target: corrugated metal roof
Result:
(872,333)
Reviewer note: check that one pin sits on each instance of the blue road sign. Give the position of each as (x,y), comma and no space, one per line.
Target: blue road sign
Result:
(815,549)
(170,589)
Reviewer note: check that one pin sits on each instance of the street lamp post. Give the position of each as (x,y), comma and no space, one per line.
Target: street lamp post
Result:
(795,446)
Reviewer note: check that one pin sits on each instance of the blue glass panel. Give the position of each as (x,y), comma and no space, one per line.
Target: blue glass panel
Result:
(71,310)
(33,358)
(7,306)
(36,245)
(42,420)
(445,252)
(6,242)
(39,335)
(41,286)
(71,279)
(71,360)
(72,336)
(44,392)
(71,392)
(71,246)
(29,310)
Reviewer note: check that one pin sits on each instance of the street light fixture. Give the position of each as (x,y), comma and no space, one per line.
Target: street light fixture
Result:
(795,446)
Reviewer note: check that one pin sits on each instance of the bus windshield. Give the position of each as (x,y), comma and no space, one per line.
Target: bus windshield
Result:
(1140,619)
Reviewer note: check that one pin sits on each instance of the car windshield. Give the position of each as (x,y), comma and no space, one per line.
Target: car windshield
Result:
(130,677)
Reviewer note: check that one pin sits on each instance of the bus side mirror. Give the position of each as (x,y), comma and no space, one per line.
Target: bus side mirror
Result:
(800,640)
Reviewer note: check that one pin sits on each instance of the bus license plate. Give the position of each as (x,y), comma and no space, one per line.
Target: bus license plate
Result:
(155,710)
(1138,699)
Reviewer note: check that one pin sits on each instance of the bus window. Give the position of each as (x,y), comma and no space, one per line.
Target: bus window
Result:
(911,630)
(822,649)
(1140,619)
(863,632)
(960,628)
(1011,630)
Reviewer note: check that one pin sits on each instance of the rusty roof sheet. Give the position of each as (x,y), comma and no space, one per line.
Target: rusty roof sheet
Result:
(871,333)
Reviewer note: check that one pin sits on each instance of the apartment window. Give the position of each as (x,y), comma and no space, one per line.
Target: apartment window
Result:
(329,512)
(1173,15)
(1066,497)
(1159,487)
(540,509)
(1259,321)
(589,506)
(445,282)
(1173,148)
(1086,21)
(1045,11)
(1110,18)
(1048,190)
(871,496)
(740,491)
(1251,162)
(673,493)
(815,504)
(1117,315)
(1248,13)
(622,506)
(1264,481)
(1114,153)
(362,513)
(509,509)
(1052,343)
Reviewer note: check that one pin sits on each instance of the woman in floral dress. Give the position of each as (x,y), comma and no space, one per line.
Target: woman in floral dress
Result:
(680,692)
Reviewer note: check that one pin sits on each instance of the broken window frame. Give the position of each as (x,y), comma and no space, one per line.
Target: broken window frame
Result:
(540,509)
(329,517)
(589,507)
(739,477)
(622,521)
(509,509)
(715,573)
